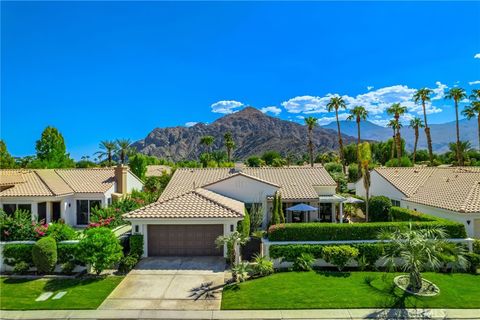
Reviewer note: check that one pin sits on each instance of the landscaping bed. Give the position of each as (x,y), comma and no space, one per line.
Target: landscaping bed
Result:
(322,290)
(81,293)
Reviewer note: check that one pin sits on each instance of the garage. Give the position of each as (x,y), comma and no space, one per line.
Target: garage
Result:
(184,240)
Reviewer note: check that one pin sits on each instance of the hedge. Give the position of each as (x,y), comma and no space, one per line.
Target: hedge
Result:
(361,231)
(67,252)
(18,252)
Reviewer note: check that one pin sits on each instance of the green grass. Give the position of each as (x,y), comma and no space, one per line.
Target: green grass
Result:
(88,293)
(318,290)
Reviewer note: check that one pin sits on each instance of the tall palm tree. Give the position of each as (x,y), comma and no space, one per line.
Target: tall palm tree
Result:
(474,110)
(311,122)
(393,124)
(415,124)
(397,110)
(358,113)
(457,94)
(123,148)
(207,141)
(229,144)
(365,156)
(336,103)
(423,95)
(107,149)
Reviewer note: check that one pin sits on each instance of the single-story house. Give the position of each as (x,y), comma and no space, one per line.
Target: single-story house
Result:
(198,205)
(68,194)
(448,192)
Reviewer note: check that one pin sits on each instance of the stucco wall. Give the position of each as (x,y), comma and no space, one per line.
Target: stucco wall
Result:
(379,186)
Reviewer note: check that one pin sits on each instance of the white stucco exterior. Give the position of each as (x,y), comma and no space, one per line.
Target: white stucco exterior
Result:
(379,186)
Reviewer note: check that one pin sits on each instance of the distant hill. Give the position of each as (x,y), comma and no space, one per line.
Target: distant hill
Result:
(253,131)
(442,134)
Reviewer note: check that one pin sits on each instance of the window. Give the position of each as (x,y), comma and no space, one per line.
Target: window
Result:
(42,211)
(84,208)
(10,208)
(325,212)
(395,203)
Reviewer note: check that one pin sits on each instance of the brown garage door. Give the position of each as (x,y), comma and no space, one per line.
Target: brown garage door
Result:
(184,240)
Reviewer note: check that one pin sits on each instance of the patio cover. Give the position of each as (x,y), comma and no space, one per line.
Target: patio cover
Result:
(302,207)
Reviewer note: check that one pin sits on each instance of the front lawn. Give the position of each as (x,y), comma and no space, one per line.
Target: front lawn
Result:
(323,290)
(88,293)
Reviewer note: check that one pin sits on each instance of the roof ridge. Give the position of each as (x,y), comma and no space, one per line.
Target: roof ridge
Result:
(73,190)
(44,182)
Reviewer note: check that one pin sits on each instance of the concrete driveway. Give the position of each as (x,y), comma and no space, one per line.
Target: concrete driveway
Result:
(170,283)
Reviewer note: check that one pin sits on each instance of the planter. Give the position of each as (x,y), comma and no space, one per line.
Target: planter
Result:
(429,289)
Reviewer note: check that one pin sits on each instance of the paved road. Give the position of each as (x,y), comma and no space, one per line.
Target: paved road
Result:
(170,283)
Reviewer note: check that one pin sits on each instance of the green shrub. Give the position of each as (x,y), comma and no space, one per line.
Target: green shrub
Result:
(332,167)
(404,214)
(339,255)
(369,253)
(304,262)
(17,226)
(100,249)
(68,267)
(67,252)
(473,261)
(379,208)
(136,245)
(476,246)
(404,162)
(262,266)
(244,225)
(292,251)
(127,263)
(61,232)
(353,173)
(21,267)
(14,253)
(44,254)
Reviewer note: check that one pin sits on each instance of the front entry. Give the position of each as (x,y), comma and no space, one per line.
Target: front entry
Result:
(184,240)
(56,212)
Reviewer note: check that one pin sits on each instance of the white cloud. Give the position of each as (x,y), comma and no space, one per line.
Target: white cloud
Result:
(477,56)
(439,91)
(382,122)
(307,104)
(272,109)
(300,117)
(326,120)
(226,106)
(190,124)
(370,88)
(474,82)
(465,100)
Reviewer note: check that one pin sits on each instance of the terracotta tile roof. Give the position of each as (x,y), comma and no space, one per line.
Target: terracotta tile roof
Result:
(199,203)
(452,188)
(294,182)
(157,170)
(92,180)
(54,182)
(244,175)
(31,185)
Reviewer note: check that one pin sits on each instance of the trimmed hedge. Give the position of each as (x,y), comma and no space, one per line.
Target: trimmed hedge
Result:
(362,231)
(136,245)
(44,253)
(379,208)
(14,253)
(67,252)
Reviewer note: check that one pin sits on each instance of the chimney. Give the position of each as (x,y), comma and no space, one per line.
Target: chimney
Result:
(238,167)
(121,178)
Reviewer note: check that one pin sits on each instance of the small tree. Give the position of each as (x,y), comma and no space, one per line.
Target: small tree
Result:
(232,240)
(51,150)
(138,165)
(44,254)
(244,225)
(281,215)
(275,219)
(100,249)
(6,160)
(379,207)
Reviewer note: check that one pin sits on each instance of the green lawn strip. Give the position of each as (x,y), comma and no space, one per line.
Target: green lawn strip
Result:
(323,290)
(88,293)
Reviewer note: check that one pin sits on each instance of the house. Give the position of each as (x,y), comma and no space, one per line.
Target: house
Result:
(155,170)
(198,205)
(68,194)
(448,192)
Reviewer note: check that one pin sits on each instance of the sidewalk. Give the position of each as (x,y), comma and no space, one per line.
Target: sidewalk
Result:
(247,314)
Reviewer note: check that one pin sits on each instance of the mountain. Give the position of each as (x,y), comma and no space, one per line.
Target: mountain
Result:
(442,134)
(253,131)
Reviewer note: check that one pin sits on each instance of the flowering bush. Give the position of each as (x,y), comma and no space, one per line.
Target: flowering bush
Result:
(40,229)
(17,226)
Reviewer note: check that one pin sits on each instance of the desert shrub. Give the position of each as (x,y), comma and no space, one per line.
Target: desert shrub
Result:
(44,254)
(241,271)
(379,208)
(136,245)
(100,249)
(61,232)
(20,267)
(18,226)
(339,255)
(14,253)
(68,267)
(304,262)
(262,266)
(127,263)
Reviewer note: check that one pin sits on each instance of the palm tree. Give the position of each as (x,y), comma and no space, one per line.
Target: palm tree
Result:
(365,156)
(108,148)
(358,113)
(123,148)
(392,124)
(336,103)
(415,124)
(423,95)
(232,241)
(457,94)
(397,110)
(311,122)
(229,144)
(473,110)
(207,141)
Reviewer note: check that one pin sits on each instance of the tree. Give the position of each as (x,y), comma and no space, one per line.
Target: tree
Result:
(365,158)
(311,122)
(457,94)
(207,141)
(336,103)
(255,161)
(138,165)
(422,96)
(419,250)
(397,110)
(231,241)
(107,149)
(229,145)
(463,147)
(472,111)
(358,113)
(99,248)
(281,214)
(123,149)
(275,218)
(51,150)
(393,124)
(270,156)
(415,124)
(6,160)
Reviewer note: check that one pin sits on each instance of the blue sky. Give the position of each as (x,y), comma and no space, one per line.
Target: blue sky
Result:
(105,70)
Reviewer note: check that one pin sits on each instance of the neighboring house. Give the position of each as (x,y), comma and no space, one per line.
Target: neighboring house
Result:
(155,170)
(198,205)
(68,194)
(448,192)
